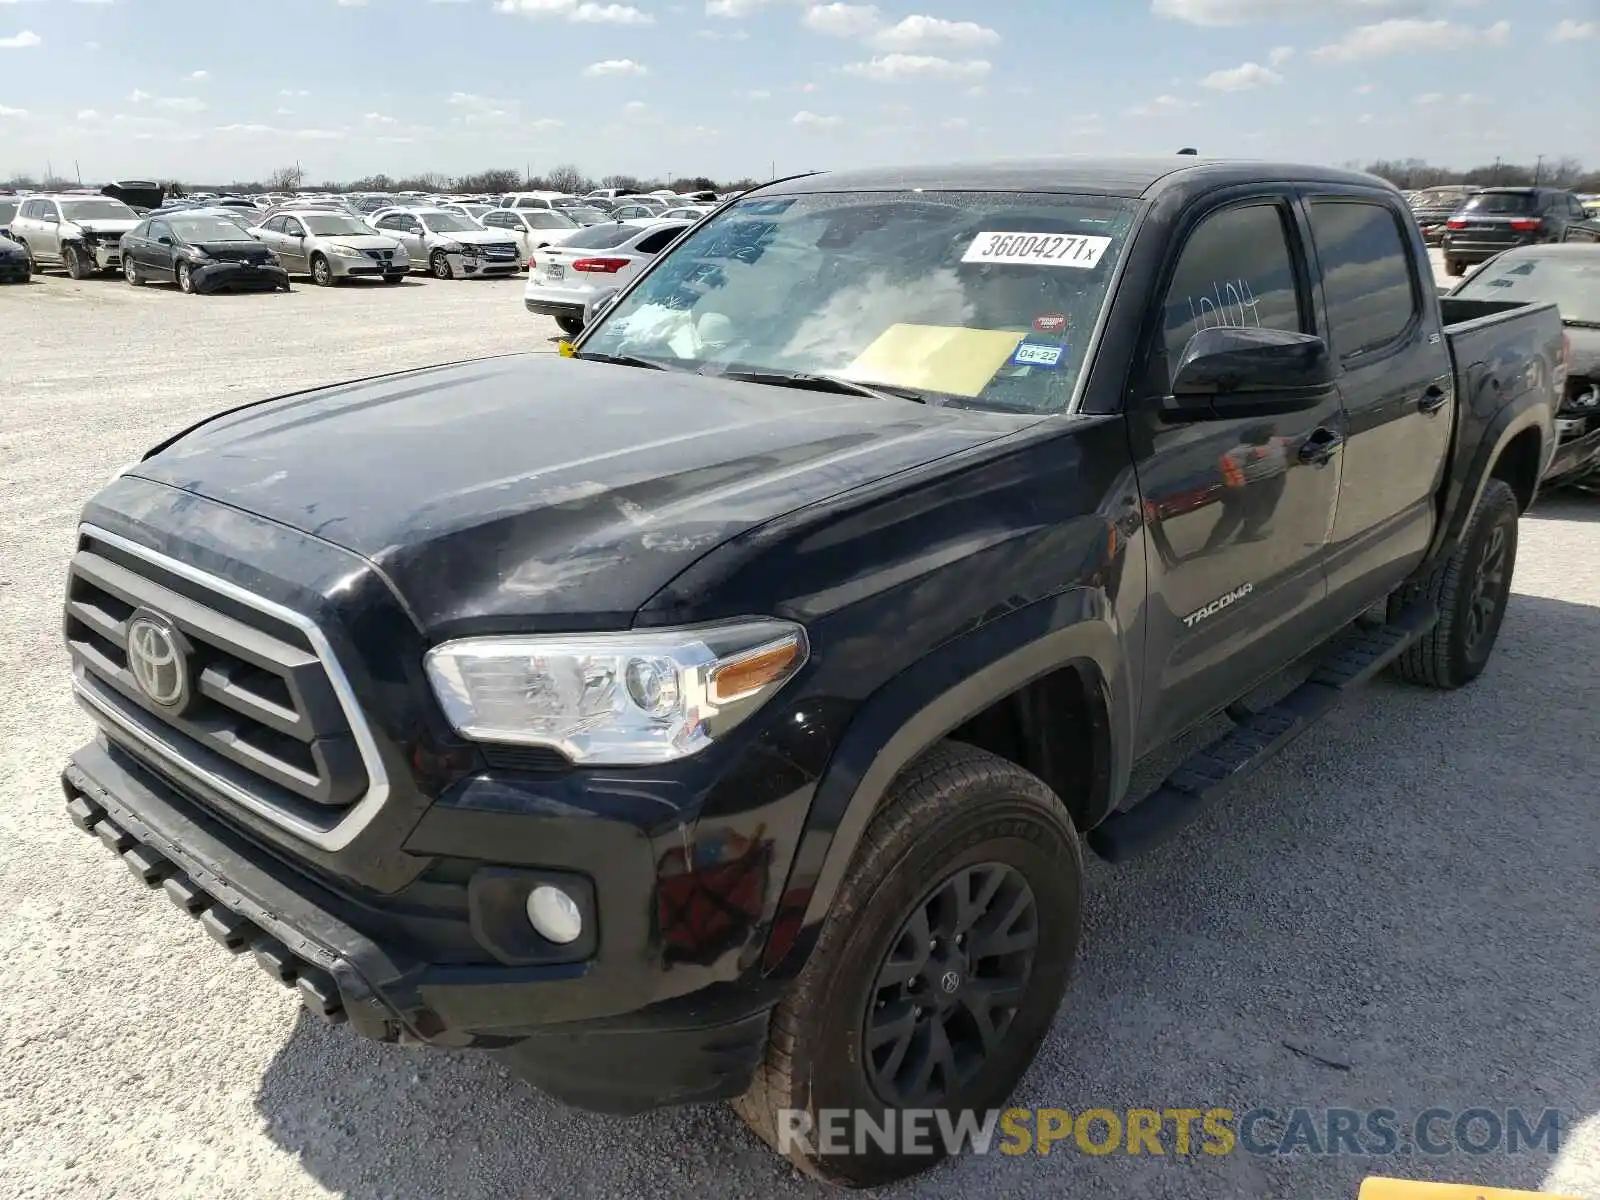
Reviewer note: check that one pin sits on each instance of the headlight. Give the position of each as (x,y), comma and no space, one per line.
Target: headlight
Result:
(453,247)
(615,698)
(344,251)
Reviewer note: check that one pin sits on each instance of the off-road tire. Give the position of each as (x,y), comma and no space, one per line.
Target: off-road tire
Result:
(954,807)
(1448,656)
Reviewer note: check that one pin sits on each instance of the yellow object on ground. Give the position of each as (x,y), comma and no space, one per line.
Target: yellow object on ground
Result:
(1379,1188)
(938,357)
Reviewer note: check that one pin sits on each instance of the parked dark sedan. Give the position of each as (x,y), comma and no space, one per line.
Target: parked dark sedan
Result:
(200,253)
(14,266)
(1497,219)
(1569,277)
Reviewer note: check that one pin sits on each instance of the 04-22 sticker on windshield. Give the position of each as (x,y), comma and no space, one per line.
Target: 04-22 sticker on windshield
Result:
(1080,250)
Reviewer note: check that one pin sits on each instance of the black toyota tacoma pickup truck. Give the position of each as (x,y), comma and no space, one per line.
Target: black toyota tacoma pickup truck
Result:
(716,710)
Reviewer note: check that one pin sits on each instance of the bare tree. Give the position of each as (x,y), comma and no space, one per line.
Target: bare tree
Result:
(568,178)
(285,179)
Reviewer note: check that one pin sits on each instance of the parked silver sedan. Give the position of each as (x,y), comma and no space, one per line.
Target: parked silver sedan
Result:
(332,247)
(449,245)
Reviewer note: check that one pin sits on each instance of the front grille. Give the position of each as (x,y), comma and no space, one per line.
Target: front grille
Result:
(262,717)
(498,252)
(249,256)
(380,255)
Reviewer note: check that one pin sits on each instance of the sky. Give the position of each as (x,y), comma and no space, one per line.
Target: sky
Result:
(222,90)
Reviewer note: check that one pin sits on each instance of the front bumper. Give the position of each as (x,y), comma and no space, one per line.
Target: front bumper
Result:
(589,1032)
(367,268)
(214,276)
(476,266)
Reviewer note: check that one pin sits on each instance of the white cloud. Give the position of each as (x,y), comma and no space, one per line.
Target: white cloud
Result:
(540,124)
(1430,98)
(292,92)
(917,32)
(374,118)
(197,76)
(1279,55)
(12,112)
(87,114)
(352,3)
(891,68)
(732,9)
(1409,35)
(842,20)
(1243,78)
(1246,12)
(20,41)
(615,66)
(758,94)
(1365,89)
(635,108)
(181,103)
(811,120)
(283,112)
(722,35)
(1163,105)
(1568,30)
(138,97)
(579,13)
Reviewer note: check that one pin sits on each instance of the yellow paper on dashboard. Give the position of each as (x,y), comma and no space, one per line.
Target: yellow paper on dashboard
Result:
(940,358)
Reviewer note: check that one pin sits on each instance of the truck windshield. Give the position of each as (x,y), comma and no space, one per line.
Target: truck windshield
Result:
(980,298)
(1571,282)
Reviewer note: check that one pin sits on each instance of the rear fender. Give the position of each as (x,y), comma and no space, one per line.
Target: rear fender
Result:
(925,703)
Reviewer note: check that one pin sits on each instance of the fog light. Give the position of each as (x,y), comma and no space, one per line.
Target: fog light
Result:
(554,914)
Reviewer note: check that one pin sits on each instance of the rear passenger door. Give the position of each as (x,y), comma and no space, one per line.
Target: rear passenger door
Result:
(1396,385)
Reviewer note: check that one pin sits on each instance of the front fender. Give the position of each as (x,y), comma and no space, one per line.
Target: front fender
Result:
(911,712)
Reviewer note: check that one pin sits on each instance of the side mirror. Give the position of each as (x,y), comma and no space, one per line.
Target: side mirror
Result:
(599,306)
(1237,371)
(164,241)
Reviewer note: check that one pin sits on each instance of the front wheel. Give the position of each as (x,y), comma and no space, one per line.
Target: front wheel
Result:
(321,272)
(394,278)
(77,266)
(1472,590)
(439,264)
(186,278)
(935,977)
(131,273)
(572,326)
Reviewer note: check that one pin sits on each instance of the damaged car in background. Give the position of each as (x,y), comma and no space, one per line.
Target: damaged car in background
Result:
(80,233)
(199,254)
(448,245)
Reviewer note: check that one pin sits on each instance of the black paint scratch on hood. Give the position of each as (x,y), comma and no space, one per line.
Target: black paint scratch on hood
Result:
(535,492)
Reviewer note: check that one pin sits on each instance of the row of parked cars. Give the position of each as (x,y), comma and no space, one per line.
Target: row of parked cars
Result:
(212,243)
(1472,225)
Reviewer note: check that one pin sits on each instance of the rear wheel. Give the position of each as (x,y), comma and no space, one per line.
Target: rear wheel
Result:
(439,264)
(570,325)
(937,972)
(78,265)
(321,271)
(1472,590)
(394,278)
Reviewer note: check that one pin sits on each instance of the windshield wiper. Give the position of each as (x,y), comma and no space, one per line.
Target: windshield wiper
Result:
(1580,323)
(623,360)
(822,383)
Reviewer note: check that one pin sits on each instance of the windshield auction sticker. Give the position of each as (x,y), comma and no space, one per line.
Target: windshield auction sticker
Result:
(1037,249)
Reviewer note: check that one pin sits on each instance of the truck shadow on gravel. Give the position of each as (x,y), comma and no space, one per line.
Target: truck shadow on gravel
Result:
(1384,917)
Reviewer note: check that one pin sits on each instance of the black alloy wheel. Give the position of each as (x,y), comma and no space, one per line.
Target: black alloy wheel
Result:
(945,995)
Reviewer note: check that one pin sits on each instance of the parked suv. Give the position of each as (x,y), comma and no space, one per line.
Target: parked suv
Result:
(81,233)
(1498,218)
(719,709)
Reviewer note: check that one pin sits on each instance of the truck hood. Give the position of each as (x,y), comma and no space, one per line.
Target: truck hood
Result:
(533,492)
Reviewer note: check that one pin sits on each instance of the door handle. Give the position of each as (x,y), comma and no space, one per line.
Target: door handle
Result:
(1320,445)
(1433,399)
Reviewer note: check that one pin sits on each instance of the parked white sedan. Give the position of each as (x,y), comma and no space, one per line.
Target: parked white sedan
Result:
(532,228)
(563,279)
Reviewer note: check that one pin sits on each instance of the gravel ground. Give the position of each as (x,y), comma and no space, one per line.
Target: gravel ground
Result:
(1407,897)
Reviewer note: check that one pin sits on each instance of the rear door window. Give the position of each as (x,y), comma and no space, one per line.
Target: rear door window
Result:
(1367,281)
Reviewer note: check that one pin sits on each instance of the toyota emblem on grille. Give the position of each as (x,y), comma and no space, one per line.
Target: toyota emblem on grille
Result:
(156,661)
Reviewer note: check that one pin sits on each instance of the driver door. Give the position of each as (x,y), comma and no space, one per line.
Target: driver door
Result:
(160,248)
(292,246)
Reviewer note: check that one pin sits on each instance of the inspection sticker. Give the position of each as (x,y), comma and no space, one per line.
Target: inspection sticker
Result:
(1037,249)
(1038,354)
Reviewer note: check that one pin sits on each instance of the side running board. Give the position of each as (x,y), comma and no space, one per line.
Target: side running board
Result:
(1353,658)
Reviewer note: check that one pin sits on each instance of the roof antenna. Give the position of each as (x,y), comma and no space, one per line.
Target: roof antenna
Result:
(1188,150)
